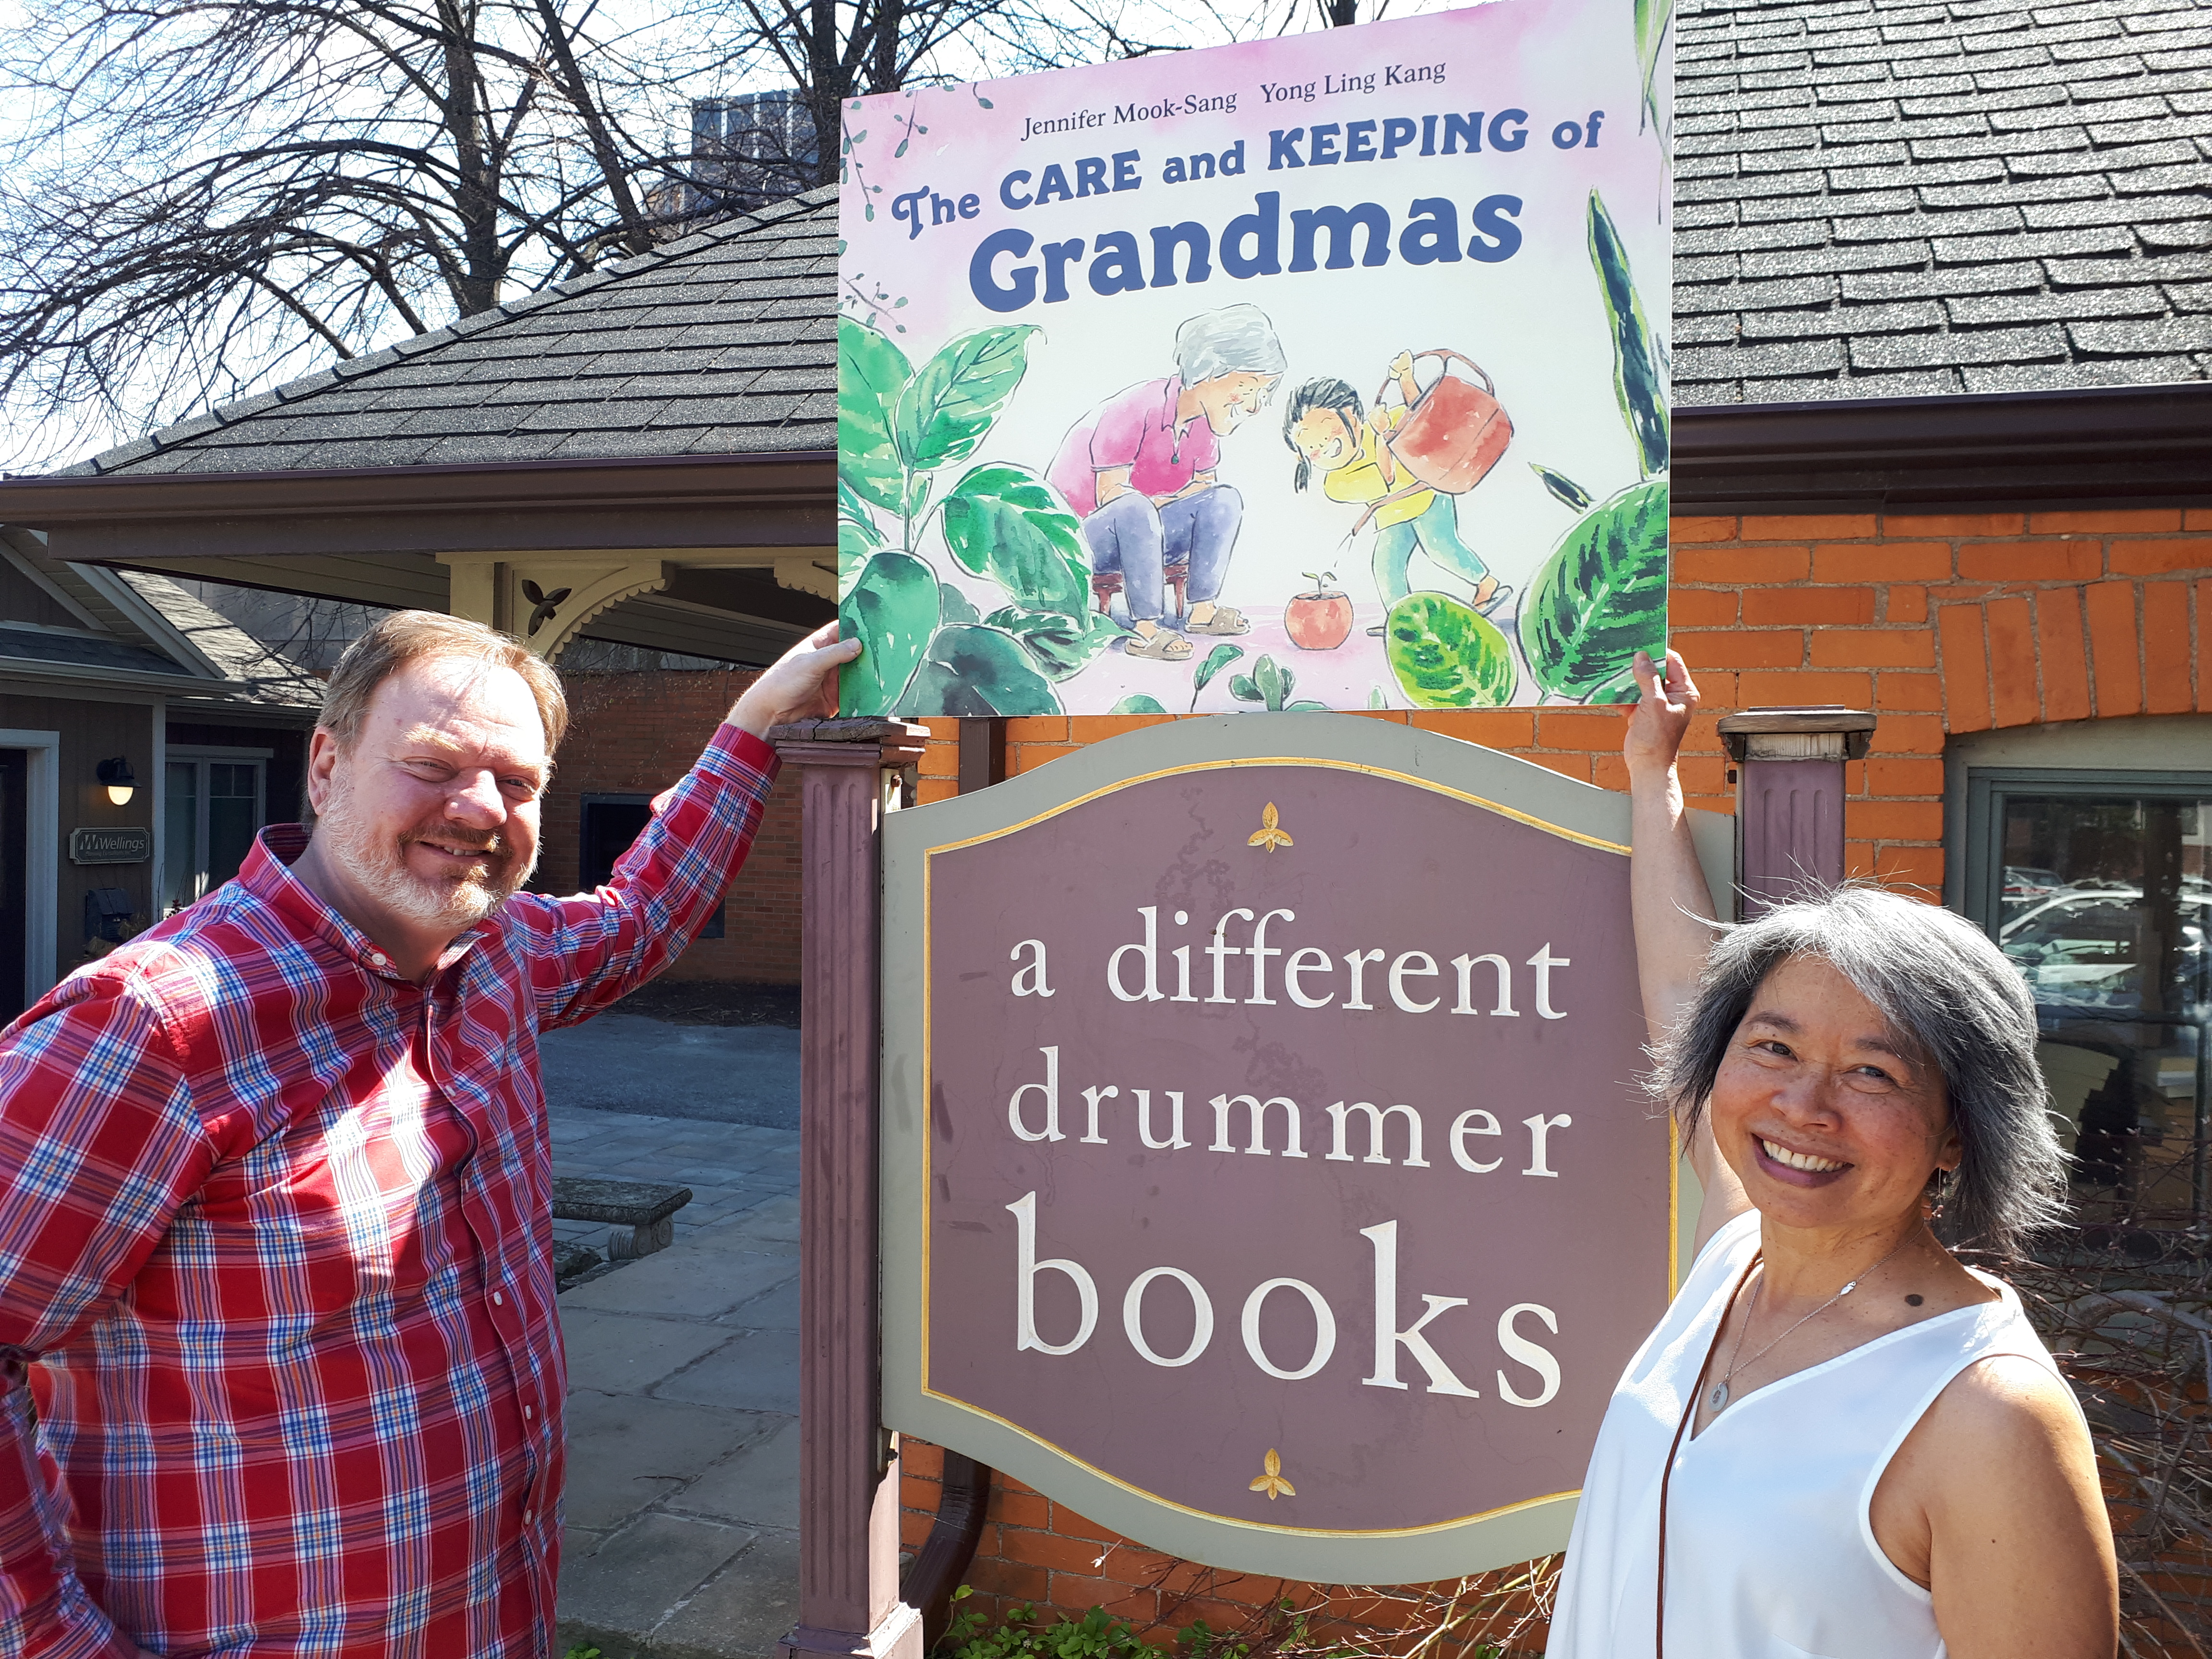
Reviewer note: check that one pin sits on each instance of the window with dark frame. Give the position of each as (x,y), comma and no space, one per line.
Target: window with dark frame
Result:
(609,824)
(214,804)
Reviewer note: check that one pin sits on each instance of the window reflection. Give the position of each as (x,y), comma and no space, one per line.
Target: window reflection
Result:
(2105,903)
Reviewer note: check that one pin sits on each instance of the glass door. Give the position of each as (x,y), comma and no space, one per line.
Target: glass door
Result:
(213,811)
(2098,885)
(15,879)
(182,864)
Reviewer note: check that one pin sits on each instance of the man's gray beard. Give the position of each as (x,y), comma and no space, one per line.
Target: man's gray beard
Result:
(380,868)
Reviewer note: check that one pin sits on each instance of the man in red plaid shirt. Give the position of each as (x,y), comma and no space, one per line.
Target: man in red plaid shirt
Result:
(280,1368)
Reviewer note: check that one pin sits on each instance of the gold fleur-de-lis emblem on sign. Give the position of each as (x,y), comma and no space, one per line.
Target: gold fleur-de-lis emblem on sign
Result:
(1270,834)
(1272,1482)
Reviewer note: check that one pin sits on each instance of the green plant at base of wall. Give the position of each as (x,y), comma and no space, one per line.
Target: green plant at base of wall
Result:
(1021,1634)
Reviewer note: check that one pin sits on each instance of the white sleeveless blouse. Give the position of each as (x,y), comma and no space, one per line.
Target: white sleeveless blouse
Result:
(1771,1552)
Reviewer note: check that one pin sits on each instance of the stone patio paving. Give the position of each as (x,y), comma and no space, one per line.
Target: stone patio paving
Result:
(682,1481)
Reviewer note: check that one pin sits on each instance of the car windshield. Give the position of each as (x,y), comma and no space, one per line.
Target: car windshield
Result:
(2099,946)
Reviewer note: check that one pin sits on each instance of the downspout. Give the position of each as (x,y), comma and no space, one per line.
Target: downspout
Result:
(937,1570)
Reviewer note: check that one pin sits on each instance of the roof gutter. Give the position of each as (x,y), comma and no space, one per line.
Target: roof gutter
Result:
(2139,446)
(638,503)
(2135,444)
(181,683)
(640,481)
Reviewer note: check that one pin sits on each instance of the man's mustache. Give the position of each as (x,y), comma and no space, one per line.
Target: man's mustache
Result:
(491,843)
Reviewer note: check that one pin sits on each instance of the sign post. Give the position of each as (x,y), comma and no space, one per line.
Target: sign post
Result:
(1266,1173)
(1790,789)
(848,1599)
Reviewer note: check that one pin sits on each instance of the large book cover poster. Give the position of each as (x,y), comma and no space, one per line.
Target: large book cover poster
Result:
(1326,371)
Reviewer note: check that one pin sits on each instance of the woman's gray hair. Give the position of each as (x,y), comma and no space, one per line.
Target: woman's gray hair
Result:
(1234,340)
(1945,988)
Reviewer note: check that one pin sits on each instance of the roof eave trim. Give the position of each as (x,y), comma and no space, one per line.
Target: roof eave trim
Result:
(182,683)
(639,481)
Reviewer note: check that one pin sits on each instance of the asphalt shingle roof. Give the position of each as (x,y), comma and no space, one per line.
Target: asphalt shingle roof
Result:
(722,343)
(1880,198)
(1875,198)
(81,653)
(270,678)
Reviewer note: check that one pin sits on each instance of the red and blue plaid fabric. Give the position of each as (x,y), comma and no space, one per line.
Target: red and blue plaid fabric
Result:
(279,1367)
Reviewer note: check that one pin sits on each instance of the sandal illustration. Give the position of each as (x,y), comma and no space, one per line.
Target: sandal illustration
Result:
(1225,619)
(1160,647)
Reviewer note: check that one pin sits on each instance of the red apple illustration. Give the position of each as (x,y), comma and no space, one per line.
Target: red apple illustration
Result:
(1321,620)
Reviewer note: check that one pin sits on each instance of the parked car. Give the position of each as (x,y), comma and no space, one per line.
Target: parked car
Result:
(2085,945)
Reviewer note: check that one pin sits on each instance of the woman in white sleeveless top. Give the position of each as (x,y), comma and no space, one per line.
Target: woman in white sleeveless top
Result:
(1839,1442)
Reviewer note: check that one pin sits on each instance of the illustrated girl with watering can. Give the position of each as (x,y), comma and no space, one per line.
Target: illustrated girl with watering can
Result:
(1406,460)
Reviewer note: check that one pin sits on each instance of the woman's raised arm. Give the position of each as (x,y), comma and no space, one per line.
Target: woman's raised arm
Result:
(1672,905)
(1674,909)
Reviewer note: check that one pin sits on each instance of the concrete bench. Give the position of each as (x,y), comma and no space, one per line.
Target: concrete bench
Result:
(642,1213)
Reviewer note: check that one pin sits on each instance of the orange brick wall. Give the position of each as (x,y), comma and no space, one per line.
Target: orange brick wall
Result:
(1939,623)
(1042,1554)
(638,734)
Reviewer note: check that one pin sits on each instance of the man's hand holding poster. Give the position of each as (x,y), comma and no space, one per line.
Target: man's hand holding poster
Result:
(1327,372)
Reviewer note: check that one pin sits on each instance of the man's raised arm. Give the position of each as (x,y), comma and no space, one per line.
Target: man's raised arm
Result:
(598,948)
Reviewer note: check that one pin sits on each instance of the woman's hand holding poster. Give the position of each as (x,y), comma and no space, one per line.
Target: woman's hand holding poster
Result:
(1327,372)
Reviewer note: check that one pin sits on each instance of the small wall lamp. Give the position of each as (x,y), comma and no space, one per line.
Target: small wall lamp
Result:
(118,776)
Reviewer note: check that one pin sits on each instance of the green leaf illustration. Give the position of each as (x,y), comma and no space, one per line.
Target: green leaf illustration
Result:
(1137,704)
(892,610)
(975,672)
(1563,488)
(953,606)
(855,542)
(1601,597)
(1637,382)
(1060,643)
(945,409)
(1269,684)
(1216,659)
(1652,17)
(1004,522)
(1447,655)
(1274,682)
(1622,688)
(872,372)
(850,506)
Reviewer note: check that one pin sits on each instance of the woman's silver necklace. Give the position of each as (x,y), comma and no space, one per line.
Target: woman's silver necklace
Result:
(1719,1397)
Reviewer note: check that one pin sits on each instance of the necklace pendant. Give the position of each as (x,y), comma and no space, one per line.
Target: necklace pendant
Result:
(1719,1396)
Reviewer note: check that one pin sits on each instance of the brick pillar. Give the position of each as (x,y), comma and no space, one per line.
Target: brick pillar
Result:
(848,1544)
(1790,798)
